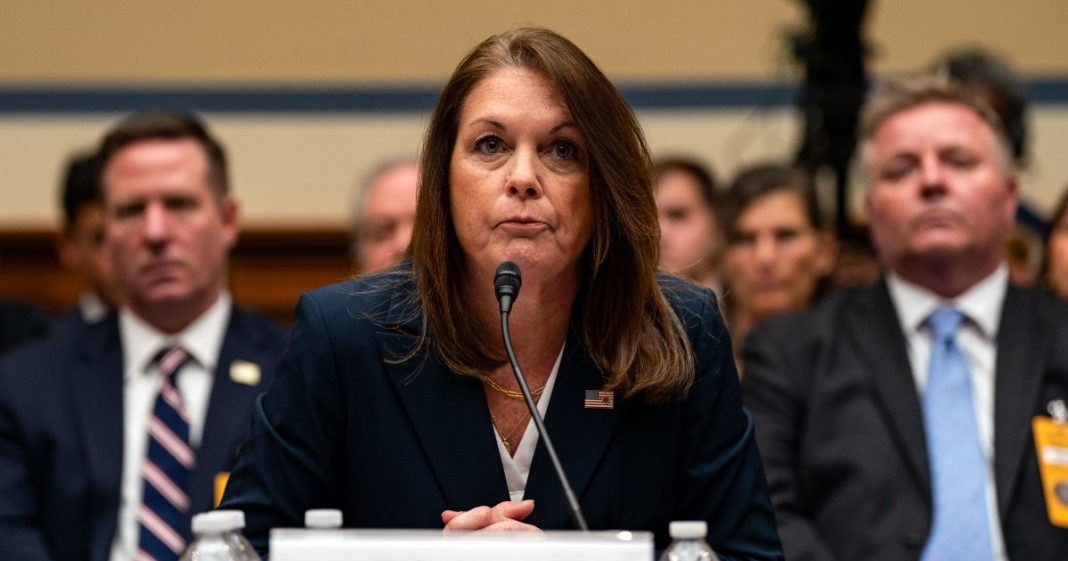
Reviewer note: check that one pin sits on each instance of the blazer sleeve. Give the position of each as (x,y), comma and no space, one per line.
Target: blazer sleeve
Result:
(723,478)
(774,389)
(21,536)
(290,462)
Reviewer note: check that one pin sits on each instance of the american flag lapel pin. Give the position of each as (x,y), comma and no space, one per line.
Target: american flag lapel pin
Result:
(599,399)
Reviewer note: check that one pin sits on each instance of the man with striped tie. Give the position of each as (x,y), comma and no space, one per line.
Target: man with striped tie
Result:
(895,420)
(113,435)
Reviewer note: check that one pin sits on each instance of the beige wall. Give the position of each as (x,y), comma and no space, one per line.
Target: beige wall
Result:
(299,168)
(407,40)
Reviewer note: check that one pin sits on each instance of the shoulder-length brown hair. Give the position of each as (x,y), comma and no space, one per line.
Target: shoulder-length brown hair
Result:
(625,324)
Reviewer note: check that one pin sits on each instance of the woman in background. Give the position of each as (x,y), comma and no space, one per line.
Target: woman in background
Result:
(779,253)
(1055,265)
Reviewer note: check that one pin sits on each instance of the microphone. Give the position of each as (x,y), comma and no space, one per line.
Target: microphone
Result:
(506,283)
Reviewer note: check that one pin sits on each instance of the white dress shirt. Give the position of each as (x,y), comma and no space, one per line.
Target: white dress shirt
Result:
(977,339)
(517,468)
(141,383)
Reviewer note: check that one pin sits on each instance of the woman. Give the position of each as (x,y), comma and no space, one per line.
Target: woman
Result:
(395,402)
(689,235)
(1055,266)
(778,253)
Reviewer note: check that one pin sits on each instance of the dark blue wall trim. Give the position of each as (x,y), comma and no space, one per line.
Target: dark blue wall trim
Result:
(338,99)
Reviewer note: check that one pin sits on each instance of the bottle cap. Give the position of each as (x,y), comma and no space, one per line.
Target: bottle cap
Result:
(688,529)
(322,518)
(212,522)
(236,517)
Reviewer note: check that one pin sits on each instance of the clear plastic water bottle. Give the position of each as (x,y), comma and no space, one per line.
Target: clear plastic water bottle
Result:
(217,537)
(323,518)
(688,542)
(237,539)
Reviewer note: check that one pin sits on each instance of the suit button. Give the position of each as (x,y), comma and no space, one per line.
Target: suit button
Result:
(914,540)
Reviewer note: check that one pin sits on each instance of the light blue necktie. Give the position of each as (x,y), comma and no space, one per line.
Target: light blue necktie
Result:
(959,531)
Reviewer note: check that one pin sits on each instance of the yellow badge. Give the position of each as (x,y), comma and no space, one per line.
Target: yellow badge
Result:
(221,479)
(244,372)
(1051,444)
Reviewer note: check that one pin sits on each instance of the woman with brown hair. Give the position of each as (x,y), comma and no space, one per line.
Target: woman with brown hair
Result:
(395,401)
(1054,275)
(779,252)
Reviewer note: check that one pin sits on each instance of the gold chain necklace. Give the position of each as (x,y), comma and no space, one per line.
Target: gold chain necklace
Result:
(523,420)
(536,394)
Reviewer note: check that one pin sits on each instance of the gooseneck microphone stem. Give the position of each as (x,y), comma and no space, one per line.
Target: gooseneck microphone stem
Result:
(506,284)
(535,415)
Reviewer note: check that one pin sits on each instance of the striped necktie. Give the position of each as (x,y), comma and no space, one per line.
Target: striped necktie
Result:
(960,530)
(164,514)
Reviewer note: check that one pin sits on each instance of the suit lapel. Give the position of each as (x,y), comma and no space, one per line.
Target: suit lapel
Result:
(580,436)
(98,398)
(1021,343)
(875,328)
(451,420)
(228,413)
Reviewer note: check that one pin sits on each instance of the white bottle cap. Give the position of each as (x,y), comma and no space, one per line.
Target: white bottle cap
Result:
(322,518)
(212,522)
(236,518)
(688,529)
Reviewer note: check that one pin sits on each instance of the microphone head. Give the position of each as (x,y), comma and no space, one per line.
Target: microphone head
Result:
(506,281)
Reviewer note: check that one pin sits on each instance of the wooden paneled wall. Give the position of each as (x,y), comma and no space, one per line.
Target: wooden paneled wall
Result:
(269,268)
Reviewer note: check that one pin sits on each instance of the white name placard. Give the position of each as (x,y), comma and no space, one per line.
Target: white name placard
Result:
(431,545)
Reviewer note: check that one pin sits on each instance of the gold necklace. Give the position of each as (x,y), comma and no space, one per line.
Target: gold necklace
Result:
(523,419)
(536,394)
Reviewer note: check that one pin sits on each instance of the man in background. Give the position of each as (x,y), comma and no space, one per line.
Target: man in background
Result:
(690,242)
(81,238)
(114,433)
(383,215)
(895,420)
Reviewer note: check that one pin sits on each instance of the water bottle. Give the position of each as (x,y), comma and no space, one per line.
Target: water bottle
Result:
(237,539)
(688,542)
(322,518)
(218,538)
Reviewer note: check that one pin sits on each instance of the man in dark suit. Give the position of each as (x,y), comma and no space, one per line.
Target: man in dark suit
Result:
(113,434)
(895,420)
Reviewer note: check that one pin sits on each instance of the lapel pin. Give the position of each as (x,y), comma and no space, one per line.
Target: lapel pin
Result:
(599,399)
(244,372)
(1058,410)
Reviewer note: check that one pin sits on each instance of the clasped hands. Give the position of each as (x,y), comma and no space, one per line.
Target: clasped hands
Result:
(506,516)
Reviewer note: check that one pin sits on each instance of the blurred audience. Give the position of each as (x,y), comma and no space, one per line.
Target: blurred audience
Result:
(1055,265)
(685,193)
(1023,255)
(856,263)
(81,239)
(779,251)
(383,214)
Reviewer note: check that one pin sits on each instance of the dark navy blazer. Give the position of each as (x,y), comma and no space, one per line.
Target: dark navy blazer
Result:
(393,444)
(61,435)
